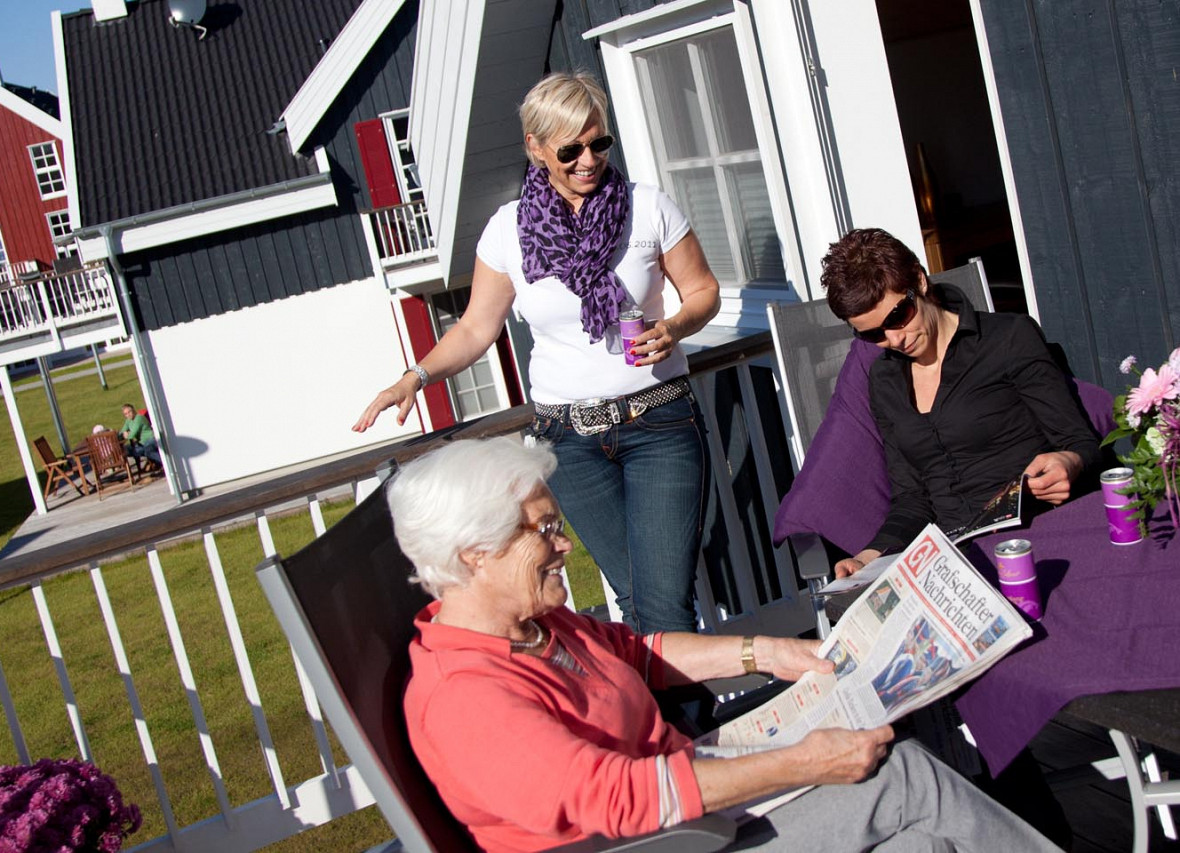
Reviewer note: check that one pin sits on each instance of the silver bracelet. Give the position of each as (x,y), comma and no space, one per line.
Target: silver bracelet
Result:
(419,371)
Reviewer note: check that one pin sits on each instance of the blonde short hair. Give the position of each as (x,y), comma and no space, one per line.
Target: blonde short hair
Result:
(559,106)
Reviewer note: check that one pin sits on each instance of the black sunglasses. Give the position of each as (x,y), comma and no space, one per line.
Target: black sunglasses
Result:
(901,314)
(570,153)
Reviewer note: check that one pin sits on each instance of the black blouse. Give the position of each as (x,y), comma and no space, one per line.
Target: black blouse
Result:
(1001,400)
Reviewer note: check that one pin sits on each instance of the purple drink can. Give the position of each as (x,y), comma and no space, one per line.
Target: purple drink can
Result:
(1018,576)
(630,327)
(1124,530)
(1014,561)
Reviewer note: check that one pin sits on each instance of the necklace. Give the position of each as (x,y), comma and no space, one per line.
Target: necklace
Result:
(525,645)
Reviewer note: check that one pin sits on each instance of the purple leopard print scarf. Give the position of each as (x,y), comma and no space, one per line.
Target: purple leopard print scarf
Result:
(576,249)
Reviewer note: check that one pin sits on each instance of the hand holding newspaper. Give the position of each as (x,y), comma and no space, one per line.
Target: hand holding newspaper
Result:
(926,625)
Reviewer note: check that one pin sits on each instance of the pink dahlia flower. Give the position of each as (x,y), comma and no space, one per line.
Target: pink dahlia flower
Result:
(1153,389)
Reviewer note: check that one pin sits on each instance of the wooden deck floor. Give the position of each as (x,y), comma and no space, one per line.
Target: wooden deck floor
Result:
(1098,810)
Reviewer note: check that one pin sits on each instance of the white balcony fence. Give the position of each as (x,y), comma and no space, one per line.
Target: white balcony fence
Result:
(403,233)
(742,580)
(56,302)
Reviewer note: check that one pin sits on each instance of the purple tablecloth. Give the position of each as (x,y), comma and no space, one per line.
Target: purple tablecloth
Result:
(1112,622)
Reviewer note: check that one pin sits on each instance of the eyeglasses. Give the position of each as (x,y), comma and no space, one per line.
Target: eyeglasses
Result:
(548,529)
(570,153)
(901,314)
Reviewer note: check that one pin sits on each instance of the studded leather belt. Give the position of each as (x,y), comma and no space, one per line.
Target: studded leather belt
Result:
(589,417)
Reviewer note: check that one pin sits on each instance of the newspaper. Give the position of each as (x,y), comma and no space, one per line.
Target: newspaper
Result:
(928,624)
(1005,509)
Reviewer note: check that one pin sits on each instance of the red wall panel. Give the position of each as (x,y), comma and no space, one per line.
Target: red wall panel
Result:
(22,211)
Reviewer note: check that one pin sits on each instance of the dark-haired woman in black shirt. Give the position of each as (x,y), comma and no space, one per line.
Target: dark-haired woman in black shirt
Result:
(965,402)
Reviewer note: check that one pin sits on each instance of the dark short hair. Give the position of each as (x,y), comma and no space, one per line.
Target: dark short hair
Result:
(862,265)
(129,406)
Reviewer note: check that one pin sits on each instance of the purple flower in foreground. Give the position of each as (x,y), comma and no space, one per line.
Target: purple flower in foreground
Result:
(1128,364)
(62,806)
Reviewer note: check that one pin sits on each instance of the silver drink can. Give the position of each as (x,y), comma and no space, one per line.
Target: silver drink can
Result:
(631,326)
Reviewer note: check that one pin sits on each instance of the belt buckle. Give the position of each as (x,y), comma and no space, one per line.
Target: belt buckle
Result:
(576,411)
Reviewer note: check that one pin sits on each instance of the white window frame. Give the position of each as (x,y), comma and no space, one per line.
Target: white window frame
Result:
(49,174)
(60,228)
(660,26)
(402,155)
(492,357)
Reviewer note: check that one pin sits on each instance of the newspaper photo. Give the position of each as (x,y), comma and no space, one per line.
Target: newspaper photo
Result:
(929,623)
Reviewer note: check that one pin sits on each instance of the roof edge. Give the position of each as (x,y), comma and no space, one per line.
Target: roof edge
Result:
(210,216)
(347,51)
(32,114)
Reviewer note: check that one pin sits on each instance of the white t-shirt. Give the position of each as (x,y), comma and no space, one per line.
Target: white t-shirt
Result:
(565,367)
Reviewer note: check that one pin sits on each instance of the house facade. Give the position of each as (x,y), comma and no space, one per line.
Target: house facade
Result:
(250,183)
(292,199)
(33,204)
(779,124)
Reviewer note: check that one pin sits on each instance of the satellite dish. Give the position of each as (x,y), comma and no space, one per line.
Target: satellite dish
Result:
(188,13)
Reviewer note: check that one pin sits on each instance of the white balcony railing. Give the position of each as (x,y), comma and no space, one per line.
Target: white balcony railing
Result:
(123,636)
(403,233)
(56,302)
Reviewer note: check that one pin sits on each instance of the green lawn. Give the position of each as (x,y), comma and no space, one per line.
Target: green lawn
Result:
(87,654)
(83,403)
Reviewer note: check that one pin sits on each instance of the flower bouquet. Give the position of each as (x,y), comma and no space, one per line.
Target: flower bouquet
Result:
(62,805)
(1149,416)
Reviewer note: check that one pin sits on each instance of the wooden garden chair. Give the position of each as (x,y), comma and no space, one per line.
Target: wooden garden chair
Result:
(59,469)
(108,454)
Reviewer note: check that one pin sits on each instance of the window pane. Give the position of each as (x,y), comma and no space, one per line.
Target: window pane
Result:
(696,192)
(700,119)
(677,101)
(761,251)
(727,93)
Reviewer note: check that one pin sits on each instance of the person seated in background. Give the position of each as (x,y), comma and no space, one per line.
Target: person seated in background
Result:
(537,725)
(965,401)
(141,441)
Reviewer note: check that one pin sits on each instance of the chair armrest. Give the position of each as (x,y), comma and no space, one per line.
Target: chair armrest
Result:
(704,835)
(811,556)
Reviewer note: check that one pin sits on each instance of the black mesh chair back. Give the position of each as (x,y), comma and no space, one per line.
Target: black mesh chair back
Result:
(347,608)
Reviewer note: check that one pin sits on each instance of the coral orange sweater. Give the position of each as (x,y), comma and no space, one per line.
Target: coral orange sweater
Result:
(532,752)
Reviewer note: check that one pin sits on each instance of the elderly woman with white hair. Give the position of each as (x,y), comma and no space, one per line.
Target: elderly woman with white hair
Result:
(581,251)
(537,725)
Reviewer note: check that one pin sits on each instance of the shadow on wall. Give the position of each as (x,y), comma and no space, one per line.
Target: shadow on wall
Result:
(181,449)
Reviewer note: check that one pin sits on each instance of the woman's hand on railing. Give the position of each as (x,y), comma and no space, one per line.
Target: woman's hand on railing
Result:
(401,394)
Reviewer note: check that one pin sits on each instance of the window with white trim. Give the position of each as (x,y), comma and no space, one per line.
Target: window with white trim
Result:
(475,390)
(397,131)
(47,168)
(707,153)
(59,226)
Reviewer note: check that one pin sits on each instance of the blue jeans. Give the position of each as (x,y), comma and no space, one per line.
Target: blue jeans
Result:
(635,494)
(145,450)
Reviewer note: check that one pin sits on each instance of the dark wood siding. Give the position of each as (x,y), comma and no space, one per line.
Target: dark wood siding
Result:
(380,84)
(568,51)
(1091,109)
(245,267)
(250,266)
